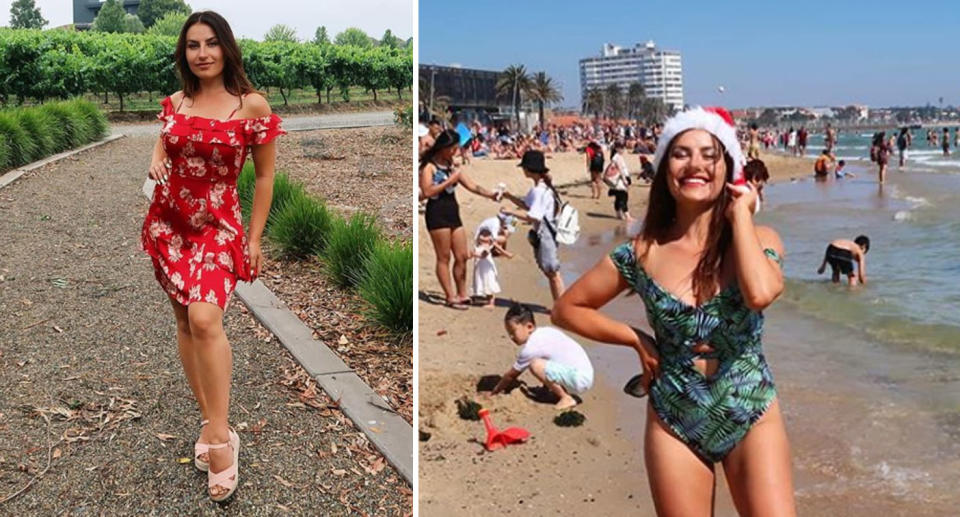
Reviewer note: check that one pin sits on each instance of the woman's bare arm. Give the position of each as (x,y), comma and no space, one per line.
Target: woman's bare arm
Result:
(577,311)
(472,186)
(428,188)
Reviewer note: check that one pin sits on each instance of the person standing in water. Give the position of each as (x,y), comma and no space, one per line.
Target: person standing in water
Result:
(903,142)
(841,255)
(946,141)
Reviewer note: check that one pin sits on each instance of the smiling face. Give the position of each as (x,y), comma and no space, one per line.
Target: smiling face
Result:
(696,169)
(204,54)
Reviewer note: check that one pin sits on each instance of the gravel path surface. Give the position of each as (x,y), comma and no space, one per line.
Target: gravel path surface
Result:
(90,378)
(330,120)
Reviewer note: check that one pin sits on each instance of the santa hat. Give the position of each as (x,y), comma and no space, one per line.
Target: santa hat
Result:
(714,120)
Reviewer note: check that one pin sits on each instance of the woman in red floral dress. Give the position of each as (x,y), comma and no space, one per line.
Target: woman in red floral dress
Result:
(193,231)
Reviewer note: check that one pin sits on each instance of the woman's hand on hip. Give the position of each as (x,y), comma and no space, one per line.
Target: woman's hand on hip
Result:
(256,258)
(649,358)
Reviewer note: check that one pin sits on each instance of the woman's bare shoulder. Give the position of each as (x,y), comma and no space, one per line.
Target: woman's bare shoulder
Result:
(255,105)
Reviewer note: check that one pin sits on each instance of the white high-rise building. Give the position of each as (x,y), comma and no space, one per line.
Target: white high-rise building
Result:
(659,71)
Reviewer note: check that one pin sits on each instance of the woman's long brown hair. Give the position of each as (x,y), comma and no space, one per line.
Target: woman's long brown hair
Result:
(234,78)
(661,214)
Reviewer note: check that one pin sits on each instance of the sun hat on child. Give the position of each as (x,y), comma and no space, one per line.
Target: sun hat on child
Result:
(712,119)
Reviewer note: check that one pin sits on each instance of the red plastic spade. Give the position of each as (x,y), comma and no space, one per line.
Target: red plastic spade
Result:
(497,439)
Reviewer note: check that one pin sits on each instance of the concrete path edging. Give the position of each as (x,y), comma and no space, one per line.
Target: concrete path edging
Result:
(383,426)
(15,174)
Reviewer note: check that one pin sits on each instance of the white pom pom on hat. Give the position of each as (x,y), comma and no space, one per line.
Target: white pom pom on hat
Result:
(713,119)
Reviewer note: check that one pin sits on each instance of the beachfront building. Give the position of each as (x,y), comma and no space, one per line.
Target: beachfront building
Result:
(84,11)
(659,71)
(466,94)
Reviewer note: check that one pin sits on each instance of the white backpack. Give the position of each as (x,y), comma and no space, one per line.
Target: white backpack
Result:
(567,224)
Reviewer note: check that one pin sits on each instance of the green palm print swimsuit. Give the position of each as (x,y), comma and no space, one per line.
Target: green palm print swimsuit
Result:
(710,414)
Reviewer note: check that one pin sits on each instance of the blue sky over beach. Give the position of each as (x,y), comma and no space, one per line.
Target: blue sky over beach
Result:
(879,53)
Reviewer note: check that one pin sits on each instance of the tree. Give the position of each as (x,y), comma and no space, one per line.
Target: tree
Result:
(353,36)
(653,110)
(169,25)
(281,32)
(389,40)
(635,96)
(320,38)
(110,18)
(132,24)
(593,102)
(613,100)
(151,11)
(544,92)
(24,14)
(513,83)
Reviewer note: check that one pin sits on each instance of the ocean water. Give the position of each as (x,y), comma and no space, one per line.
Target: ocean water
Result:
(869,378)
(854,147)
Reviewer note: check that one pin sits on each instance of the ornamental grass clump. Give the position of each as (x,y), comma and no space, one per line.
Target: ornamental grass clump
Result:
(301,226)
(95,119)
(77,130)
(284,189)
(20,148)
(387,286)
(42,129)
(246,182)
(348,245)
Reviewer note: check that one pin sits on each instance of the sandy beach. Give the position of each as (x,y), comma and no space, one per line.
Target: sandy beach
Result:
(597,467)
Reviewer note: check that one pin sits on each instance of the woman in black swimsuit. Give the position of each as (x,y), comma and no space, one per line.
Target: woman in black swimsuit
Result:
(439,177)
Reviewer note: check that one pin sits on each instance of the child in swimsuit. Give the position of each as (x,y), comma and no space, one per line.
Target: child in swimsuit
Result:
(841,254)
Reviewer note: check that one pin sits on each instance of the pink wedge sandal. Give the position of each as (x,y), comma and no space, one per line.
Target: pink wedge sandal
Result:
(200,449)
(229,477)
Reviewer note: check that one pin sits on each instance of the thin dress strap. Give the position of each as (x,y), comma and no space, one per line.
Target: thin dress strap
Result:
(240,105)
(182,97)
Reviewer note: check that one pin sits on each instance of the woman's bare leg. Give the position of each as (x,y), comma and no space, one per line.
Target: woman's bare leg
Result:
(441,245)
(458,243)
(216,364)
(538,367)
(188,355)
(758,469)
(682,485)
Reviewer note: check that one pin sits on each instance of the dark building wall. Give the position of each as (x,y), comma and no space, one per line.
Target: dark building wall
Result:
(84,11)
(465,87)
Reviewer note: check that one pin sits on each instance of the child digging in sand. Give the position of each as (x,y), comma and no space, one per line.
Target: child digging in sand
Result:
(555,359)
(485,283)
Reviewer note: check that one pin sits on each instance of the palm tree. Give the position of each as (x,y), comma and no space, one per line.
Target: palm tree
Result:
(635,95)
(593,101)
(436,106)
(613,96)
(514,82)
(544,91)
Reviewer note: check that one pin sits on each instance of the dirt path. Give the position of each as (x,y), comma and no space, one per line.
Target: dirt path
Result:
(87,343)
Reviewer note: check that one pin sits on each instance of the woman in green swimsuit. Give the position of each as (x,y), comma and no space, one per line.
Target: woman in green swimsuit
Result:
(705,272)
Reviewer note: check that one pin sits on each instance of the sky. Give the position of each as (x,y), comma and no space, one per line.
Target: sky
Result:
(252,18)
(812,53)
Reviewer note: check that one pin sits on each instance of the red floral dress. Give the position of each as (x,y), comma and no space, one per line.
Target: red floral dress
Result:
(194,230)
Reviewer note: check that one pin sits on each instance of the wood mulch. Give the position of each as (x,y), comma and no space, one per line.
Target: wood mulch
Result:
(365,169)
